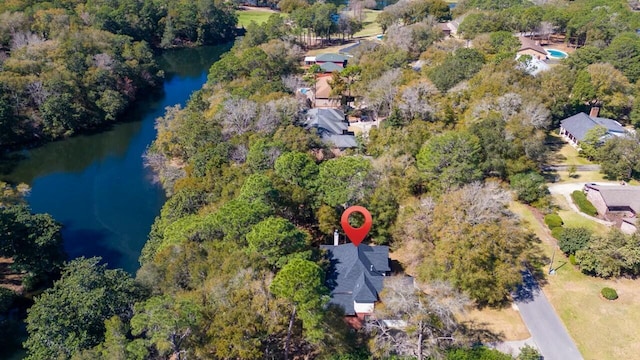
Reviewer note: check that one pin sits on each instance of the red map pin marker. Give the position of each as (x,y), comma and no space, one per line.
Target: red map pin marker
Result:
(356,235)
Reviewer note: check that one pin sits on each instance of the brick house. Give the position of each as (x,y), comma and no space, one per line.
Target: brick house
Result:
(616,201)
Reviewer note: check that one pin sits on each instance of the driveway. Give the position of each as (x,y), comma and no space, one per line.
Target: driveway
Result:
(568,188)
(547,331)
(594,167)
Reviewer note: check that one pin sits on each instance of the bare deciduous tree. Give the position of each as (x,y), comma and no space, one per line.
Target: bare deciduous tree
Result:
(238,116)
(400,37)
(382,92)
(484,202)
(537,115)
(546,29)
(11,23)
(103,61)
(37,92)
(509,104)
(513,108)
(416,101)
(239,154)
(292,82)
(164,123)
(414,323)
(22,38)
(165,172)
(276,113)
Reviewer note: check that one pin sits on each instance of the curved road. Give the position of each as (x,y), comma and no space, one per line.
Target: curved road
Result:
(543,323)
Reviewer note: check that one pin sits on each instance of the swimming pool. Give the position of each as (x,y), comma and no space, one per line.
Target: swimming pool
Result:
(556,54)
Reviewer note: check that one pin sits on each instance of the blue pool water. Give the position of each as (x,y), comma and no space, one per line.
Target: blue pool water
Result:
(556,54)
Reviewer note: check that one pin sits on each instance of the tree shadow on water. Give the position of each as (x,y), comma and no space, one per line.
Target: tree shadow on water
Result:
(90,243)
(9,161)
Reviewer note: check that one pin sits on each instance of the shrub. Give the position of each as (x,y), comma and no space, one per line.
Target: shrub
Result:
(571,240)
(609,293)
(6,299)
(529,186)
(529,353)
(553,221)
(572,259)
(557,232)
(580,199)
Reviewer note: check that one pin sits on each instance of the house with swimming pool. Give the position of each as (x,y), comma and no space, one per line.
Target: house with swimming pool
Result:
(532,48)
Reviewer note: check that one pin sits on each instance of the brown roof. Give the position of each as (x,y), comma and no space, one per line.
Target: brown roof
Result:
(444,27)
(528,44)
(620,196)
(322,87)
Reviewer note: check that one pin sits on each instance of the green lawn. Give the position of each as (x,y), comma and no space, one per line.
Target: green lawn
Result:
(602,329)
(245,17)
(563,153)
(370,25)
(572,157)
(585,176)
(573,219)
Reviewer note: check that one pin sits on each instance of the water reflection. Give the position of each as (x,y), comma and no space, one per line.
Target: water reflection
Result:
(95,184)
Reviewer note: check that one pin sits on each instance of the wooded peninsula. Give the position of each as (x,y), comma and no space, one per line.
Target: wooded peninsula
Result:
(453,116)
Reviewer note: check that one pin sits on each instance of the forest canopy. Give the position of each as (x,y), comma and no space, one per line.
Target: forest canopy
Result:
(76,65)
(233,266)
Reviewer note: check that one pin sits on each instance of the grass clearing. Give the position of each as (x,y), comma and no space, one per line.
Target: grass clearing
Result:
(572,156)
(573,219)
(370,24)
(506,322)
(602,329)
(586,176)
(246,16)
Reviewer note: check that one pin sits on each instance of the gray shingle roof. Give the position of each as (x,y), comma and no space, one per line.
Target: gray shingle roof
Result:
(620,196)
(357,273)
(330,67)
(341,141)
(331,57)
(331,126)
(579,124)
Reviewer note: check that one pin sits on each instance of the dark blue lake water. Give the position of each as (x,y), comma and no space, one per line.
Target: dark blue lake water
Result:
(96,185)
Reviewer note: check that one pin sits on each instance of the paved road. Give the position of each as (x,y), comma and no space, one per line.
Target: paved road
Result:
(545,327)
(595,167)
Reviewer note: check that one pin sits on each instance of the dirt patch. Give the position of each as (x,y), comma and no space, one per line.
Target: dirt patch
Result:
(506,324)
(9,278)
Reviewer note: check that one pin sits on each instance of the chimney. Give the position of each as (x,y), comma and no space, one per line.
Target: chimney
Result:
(595,110)
(336,238)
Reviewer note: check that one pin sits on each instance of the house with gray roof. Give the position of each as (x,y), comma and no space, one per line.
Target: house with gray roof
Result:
(329,62)
(330,67)
(357,276)
(337,59)
(575,128)
(332,127)
(616,202)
